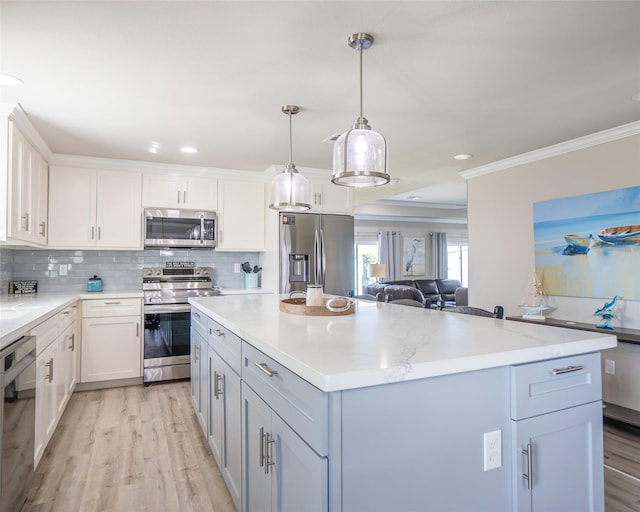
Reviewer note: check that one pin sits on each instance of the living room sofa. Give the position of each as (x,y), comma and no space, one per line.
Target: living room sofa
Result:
(435,290)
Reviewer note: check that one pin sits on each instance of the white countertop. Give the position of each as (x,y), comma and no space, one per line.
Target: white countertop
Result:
(21,313)
(383,343)
(243,291)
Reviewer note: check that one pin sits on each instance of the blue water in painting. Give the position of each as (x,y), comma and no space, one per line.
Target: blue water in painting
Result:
(550,234)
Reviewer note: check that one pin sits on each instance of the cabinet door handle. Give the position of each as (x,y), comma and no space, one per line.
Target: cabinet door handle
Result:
(99,229)
(262,464)
(268,440)
(93,231)
(266,369)
(529,475)
(184,197)
(43,228)
(178,197)
(72,337)
(568,369)
(25,218)
(49,376)
(137,329)
(217,389)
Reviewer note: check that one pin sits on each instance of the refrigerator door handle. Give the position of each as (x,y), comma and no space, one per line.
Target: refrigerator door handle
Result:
(317,256)
(323,256)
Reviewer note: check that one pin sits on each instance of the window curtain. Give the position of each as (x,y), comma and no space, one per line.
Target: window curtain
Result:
(389,253)
(439,256)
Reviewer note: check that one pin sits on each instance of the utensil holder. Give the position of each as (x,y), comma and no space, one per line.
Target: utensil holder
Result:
(251,280)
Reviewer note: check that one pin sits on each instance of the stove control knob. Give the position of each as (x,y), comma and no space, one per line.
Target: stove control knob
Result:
(148,272)
(205,271)
(158,272)
(197,272)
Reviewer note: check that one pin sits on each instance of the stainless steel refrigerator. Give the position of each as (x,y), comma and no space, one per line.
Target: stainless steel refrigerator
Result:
(316,249)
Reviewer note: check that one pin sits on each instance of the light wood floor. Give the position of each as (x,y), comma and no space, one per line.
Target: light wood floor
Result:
(141,449)
(129,449)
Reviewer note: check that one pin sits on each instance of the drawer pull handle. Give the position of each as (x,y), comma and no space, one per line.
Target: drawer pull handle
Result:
(113,302)
(266,369)
(529,475)
(568,369)
(195,314)
(218,332)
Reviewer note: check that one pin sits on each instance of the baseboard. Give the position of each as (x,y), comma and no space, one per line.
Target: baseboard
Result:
(104,384)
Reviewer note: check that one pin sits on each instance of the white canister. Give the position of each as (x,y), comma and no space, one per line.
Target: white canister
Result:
(314,295)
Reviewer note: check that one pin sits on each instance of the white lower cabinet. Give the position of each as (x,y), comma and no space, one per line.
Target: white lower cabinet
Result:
(111,345)
(56,366)
(199,377)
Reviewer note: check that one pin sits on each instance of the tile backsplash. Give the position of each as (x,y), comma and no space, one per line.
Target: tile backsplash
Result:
(119,270)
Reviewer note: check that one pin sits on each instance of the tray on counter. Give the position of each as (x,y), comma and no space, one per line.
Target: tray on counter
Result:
(298,306)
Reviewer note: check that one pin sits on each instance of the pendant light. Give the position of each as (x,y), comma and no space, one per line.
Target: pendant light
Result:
(290,190)
(360,154)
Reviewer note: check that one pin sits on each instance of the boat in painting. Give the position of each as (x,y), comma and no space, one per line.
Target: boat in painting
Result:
(577,244)
(621,234)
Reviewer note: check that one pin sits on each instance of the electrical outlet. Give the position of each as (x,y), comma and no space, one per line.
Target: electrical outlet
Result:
(237,268)
(610,366)
(492,450)
(62,270)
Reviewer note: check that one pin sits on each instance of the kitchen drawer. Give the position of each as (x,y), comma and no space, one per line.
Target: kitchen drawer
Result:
(547,386)
(199,322)
(95,308)
(45,333)
(226,344)
(301,405)
(68,316)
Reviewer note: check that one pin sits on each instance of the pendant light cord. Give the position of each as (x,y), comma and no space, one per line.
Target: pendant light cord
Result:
(361,47)
(290,140)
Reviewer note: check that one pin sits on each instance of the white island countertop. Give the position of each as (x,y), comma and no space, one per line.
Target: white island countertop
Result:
(20,313)
(383,343)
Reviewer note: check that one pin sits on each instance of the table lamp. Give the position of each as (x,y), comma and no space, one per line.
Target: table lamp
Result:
(378,270)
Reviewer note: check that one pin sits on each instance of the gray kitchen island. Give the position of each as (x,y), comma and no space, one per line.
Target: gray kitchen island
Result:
(397,408)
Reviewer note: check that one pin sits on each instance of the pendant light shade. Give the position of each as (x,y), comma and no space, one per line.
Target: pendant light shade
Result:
(290,190)
(360,154)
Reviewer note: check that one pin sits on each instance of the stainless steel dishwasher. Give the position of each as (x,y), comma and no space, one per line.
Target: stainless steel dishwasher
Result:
(17,421)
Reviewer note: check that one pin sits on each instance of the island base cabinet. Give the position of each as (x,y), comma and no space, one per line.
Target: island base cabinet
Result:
(558,461)
(224,422)
(281,472)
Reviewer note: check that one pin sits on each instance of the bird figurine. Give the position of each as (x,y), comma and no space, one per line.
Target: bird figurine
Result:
(606,313)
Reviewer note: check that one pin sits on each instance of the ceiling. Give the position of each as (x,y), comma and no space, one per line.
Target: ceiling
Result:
(494,79)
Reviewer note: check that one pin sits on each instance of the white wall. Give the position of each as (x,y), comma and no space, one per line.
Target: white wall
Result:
(501,251)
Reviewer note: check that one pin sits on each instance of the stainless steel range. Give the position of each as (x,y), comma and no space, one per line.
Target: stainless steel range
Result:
(167,318)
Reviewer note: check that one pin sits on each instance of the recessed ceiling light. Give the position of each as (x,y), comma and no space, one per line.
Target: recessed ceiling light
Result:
(6,79)
(463,156)
(188,149)
(154,147)
(394,181)
(636,96)
(414,198)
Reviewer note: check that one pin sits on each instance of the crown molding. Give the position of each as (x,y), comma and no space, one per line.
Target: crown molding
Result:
(18,116)
(619,132)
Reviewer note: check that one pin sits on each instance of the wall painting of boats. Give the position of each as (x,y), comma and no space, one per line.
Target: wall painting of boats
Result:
(589,245)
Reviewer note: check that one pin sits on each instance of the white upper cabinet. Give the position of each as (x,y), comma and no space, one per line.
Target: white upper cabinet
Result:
(91,208)
(327,197)
(171,191)
(27,193)
(241,215)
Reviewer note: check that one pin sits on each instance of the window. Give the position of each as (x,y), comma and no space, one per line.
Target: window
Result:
(366,253)
(458,255)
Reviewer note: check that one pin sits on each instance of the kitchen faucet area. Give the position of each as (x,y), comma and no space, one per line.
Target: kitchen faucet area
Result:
(190,321)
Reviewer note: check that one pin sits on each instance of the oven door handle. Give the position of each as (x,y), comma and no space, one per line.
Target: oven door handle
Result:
(167,308)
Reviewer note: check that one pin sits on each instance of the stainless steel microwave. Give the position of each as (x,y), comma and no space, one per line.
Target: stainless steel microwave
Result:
(179,228)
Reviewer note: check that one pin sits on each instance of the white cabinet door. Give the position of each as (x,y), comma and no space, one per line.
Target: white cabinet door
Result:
(119,209)
(241,215)
(72,207)
(329,198)
(201,194)
(90,208)
(28,175)
(171,191)
(111,348)
(46,405)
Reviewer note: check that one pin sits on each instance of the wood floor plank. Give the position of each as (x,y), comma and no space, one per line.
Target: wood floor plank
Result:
(131,448)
